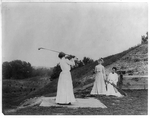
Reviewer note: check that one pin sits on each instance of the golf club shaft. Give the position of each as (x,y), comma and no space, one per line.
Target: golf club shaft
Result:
(50,50)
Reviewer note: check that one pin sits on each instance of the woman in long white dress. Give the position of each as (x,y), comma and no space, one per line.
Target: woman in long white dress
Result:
(113,78)
(65,93)
(99,84)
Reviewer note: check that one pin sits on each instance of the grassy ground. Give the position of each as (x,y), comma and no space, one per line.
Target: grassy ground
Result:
(136,103)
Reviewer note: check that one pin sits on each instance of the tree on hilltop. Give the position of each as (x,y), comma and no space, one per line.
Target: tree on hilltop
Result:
(144,39)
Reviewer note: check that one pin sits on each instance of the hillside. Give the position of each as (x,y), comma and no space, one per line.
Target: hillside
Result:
(134,62)
(134,59)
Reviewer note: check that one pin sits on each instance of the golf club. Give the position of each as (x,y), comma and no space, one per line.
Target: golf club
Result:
(50,50)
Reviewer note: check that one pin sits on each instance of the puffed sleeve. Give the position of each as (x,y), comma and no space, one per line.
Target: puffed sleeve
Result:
(103,71)
(70,62)
(110,78)
(116,79)
(95,68)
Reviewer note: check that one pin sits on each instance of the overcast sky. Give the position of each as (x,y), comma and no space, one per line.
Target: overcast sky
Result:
(83,29)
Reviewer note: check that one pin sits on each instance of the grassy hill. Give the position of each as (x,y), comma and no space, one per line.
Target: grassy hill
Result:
(134,62)
(134,59)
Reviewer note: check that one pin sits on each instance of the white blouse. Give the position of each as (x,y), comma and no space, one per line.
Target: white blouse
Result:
(113,78)
(65,64)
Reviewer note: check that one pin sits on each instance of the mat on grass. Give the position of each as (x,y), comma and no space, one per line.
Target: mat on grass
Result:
(50,101)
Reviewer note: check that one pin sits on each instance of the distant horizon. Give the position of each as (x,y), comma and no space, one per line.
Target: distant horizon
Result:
(91,30)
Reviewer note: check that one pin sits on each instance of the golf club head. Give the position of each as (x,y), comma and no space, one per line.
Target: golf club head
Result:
(40,48)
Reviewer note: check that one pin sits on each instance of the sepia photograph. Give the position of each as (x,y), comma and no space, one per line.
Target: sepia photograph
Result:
(74,57)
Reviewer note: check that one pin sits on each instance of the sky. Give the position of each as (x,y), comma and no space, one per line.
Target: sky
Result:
(82,29)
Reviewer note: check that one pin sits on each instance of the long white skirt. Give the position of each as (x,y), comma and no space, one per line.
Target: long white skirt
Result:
(65,89)
(99,85)
(112,91)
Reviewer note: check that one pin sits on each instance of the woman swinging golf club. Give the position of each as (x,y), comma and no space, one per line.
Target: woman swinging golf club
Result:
(65,95)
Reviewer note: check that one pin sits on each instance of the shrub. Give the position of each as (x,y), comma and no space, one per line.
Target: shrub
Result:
(16,69)
(56,72)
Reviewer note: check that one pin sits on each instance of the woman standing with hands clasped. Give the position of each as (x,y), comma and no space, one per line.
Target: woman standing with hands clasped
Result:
(99,87)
